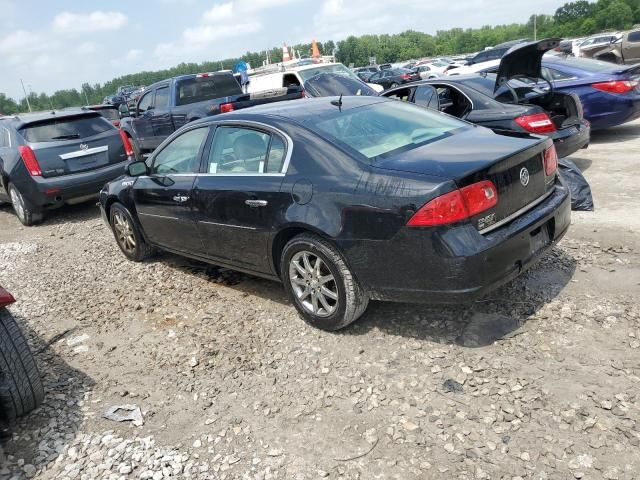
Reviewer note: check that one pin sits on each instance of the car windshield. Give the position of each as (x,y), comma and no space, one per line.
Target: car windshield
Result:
(386,128)
(69,128)
(338,69)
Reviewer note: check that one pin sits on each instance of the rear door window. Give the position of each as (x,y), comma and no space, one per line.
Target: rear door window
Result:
(634,36)
(69,128)
(238,150)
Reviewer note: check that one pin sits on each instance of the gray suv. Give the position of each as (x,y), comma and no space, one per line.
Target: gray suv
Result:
(52,158)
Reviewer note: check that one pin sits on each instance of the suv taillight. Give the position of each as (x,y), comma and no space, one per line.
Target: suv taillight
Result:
(30,160)
(616,86)
(405,76)
(550,160)
(536,123)
(456,205)
(128,149)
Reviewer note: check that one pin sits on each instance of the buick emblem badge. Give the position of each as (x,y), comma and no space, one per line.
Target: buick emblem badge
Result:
(524,177)
(84,146)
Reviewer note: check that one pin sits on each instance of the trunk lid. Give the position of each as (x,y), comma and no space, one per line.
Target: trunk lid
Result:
(524,60)
(70,145)
(513,162)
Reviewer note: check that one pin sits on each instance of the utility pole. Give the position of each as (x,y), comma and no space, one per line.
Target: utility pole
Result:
(26,97)
(84,90)
(535,27)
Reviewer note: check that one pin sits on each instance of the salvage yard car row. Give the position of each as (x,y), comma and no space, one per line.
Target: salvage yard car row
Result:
(303,191)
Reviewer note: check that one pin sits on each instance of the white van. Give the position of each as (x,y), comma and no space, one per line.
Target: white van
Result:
(298,75)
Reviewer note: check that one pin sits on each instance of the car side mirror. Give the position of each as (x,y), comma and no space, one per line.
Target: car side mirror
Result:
(137,169)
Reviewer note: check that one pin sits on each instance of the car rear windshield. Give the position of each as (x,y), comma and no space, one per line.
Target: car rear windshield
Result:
(337,69)
(201,89)
(386,128)
(67,128)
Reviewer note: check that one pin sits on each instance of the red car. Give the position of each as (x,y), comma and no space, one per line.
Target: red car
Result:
(21,389)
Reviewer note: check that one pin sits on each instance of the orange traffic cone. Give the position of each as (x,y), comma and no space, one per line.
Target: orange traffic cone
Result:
(315,51)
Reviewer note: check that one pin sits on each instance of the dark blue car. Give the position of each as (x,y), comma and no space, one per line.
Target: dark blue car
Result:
(610,93)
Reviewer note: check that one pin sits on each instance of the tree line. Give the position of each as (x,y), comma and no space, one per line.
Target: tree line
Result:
(573,19)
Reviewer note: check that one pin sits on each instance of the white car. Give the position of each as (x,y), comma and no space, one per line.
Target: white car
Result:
(475,68)
(299,75)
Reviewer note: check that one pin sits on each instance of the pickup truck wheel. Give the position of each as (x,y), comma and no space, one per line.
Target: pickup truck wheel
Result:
(318,280)
(21,388)
(128,235)
(27,215)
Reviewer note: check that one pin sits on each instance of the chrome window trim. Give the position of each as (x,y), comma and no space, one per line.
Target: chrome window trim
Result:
(84,153)
(517,213)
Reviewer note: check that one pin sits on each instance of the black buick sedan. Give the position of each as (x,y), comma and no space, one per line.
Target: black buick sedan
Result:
(346,200)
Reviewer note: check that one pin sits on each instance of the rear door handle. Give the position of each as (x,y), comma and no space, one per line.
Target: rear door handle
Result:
(180,198)
(256,203)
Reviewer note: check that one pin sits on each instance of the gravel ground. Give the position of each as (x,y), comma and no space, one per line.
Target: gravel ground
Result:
(540,380)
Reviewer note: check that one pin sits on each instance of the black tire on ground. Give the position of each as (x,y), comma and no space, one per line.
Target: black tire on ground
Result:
(21,389)
(25,213)
(128,235)
(351,301)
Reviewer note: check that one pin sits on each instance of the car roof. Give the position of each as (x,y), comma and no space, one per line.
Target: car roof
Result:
(297,110)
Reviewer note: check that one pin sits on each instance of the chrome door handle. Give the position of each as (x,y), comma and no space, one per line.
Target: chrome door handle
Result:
(256,203)
(180,198)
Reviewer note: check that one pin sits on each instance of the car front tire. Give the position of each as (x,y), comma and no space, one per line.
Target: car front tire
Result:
(26,214)
(393,85)
(318,280)
(128,235)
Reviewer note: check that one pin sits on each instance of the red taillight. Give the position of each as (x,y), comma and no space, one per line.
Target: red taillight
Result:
(616,86)
(128,149)
(536,123)
(5,298)
(405,76)
(550,160)
(30,160)
(456,205)
(226,107)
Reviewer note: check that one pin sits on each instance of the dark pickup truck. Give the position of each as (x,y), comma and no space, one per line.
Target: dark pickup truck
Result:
(166,106)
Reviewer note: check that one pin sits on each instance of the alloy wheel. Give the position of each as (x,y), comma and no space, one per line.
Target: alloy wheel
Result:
(124,232)
(313,284)
(17,203)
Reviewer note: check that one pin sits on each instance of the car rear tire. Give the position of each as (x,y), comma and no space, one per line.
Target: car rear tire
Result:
(127,234)
(21,389)
(323,289)
(26,214)
(393,85)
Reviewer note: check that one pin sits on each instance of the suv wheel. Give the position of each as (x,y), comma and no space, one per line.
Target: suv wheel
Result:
(24,212)
(128,235)
(320,284)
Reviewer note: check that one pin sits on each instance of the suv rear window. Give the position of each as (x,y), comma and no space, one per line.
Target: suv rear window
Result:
(194,90)
(67,128)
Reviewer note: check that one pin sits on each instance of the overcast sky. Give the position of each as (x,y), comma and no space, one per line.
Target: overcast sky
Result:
(54,45)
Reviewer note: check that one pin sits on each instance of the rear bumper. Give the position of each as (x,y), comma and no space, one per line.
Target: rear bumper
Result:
(570,140)
(49,193)
(460,265)
(612,110)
